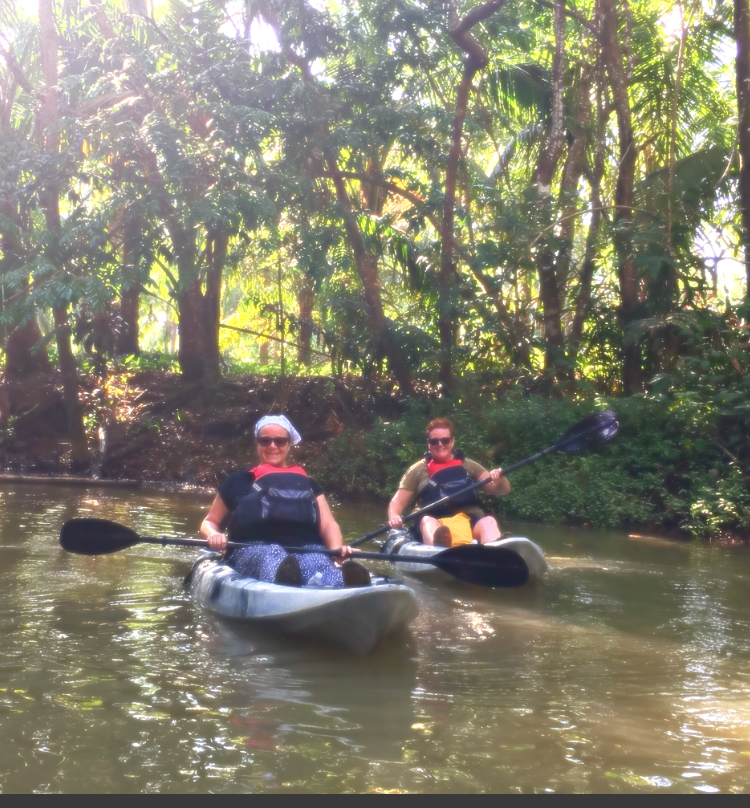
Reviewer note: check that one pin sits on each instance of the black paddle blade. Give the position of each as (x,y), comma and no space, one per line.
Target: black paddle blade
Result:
(96,537)
(593,430)
(483,565)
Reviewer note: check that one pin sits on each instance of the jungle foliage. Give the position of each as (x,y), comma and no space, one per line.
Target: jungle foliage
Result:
(529,199)
(668,468)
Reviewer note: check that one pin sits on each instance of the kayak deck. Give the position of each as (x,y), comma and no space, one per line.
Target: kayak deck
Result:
(355,618)
(531,553)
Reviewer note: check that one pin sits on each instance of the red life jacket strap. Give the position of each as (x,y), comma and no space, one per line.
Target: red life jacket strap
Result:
(433,468)
(267,468)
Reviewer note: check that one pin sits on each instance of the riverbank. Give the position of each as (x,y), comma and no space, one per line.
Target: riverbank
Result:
(665,473)
(151,427)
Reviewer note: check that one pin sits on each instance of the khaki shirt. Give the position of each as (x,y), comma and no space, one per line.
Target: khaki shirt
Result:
(416,478)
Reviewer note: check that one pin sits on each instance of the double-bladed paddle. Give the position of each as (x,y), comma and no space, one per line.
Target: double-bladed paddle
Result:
(588,433)
(476,564)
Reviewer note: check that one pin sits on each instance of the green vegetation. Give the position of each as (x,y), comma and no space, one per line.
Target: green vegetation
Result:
(668,467)
(510,211)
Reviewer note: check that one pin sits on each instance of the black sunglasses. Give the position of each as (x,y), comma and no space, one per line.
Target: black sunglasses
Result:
(265,442)
(435,441)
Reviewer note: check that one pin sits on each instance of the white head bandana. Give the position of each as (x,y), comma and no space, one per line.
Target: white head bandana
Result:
(282,421)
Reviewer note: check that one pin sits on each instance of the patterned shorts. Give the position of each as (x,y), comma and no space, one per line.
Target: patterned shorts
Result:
(261,560)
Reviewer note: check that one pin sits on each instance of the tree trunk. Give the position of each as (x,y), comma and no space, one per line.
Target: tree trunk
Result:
(199,314)
(80,454)
(447,275)
(50,200)
(742,76)
(191,353)
(126,342)
(632,375)
(198,352)
(215,260)
(583,298)
(550,290)
(571,177)
(306,302)
(476,60)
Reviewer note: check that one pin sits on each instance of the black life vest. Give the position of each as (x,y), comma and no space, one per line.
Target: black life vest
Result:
(450,478)
(279,509)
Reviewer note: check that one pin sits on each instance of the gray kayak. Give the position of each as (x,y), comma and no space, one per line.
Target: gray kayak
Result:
(356,618)
(399,543)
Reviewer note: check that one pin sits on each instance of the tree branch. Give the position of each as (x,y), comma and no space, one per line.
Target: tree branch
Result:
(269,336)
(459,30)
(16,71)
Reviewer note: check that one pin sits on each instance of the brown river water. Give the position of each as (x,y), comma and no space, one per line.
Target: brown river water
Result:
(627,669)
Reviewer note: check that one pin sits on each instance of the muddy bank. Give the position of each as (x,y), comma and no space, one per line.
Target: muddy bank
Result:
(151,426)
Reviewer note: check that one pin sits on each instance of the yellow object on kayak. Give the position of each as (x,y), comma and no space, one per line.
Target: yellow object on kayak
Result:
(460,527)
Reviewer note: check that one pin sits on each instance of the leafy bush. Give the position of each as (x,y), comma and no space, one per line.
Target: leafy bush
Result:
(665,468)
(149,360)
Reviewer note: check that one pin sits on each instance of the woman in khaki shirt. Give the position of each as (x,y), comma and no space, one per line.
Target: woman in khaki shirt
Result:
(442,470)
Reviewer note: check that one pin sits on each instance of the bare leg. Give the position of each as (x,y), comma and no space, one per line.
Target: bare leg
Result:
(486,530)
(427,528)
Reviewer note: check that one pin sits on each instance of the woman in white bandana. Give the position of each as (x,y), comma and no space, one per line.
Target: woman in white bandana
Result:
(275,507)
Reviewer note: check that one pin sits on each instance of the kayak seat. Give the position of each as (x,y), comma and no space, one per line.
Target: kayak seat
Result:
(397,538)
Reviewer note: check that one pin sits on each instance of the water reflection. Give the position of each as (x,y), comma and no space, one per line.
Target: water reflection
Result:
(625,670)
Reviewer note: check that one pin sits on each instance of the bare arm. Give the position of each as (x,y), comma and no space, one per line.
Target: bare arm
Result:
(396,506)
(330,531)
(499,485)
(210,525)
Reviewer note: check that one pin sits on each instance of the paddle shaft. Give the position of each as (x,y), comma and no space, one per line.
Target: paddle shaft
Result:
(233,545)
(479,483)
(491,566)
(236,545)
(185,542)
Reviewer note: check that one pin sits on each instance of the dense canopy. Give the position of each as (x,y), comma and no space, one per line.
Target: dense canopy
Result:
(544,195)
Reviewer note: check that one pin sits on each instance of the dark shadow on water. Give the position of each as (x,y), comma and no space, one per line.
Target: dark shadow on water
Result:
(239,639)
(532,596)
